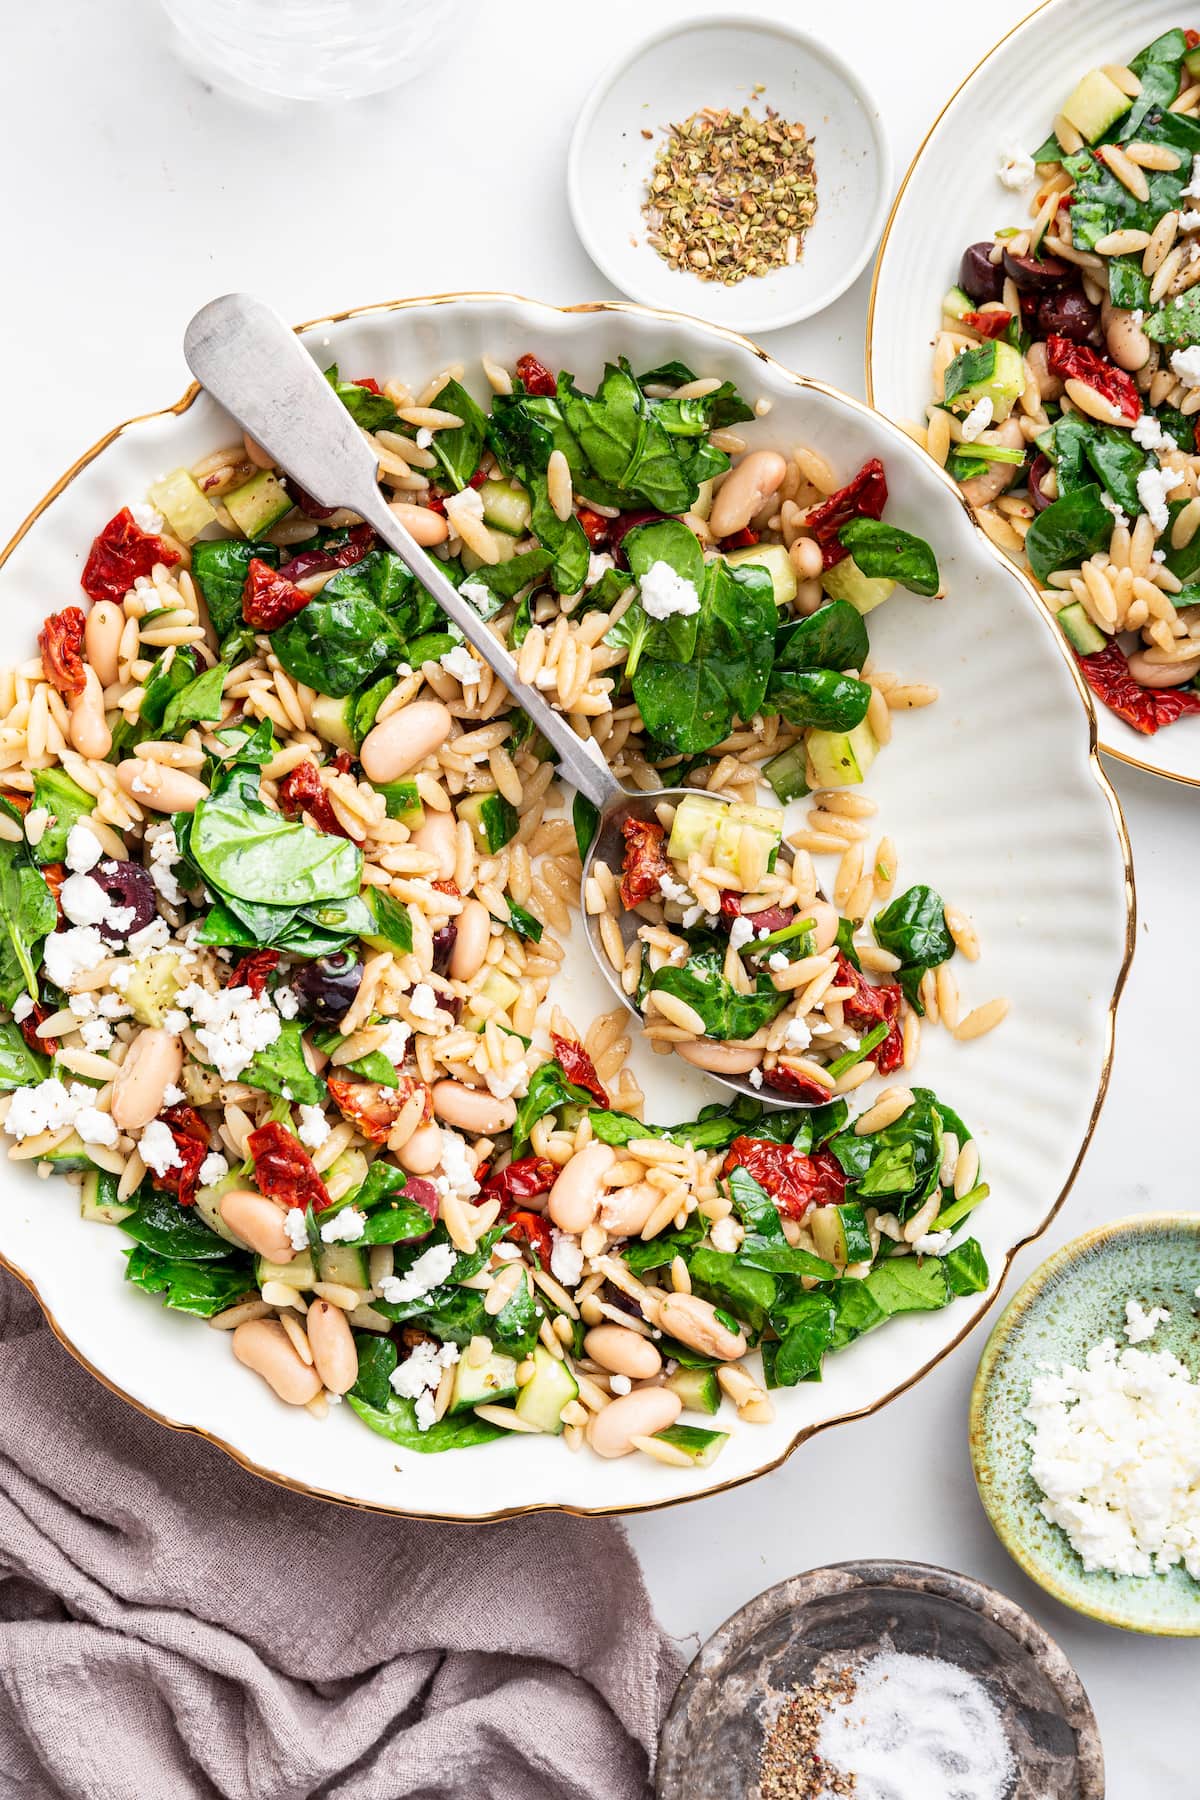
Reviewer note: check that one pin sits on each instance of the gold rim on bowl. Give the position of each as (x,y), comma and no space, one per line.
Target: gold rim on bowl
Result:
(1098,775)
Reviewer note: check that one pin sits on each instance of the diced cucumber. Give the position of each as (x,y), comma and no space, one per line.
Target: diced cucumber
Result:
(333,720)
(956,303)
(1081,634)
(762,822)
(695,817)
(552,1387)
(345,1264)
(403,802)
(69,1156)
(1095,104)
(702,1446)
(704,500)
(483,1384)
(1191,62)
(208,1205)
(349,1170)
(98,1198)
(492,818)
(840,759)
(846,581)
(993,370)
(506,507)
(499,989)
(152,987)
(178,498)
(296,1274)
(840,1233)
(778,564)
(258,504)
(699,1389)
(786,773)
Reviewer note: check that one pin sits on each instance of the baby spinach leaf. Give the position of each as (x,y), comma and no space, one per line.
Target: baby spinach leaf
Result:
(1128,283)
(694,418)
(171,1230)
(344,635)
(171,674)
(623,441)
(281,1068)
(1084,449)
(902,1284)
(252,854)
(219,571)
(523,922)
(397,1420)
(834,637)
(1068,532)
(913,927)
(458,449)
(805,1328)
(199,703)
(883,551)
(1178,322)
(661,1251)
(548,1090)
(821,697)
(585,817)
(719,1276)
(754,1206)
(28,913)
(377,1358)
(200,1288)
(390,922)
(701,983)
(396,1221)
(778,1257)
(667,541)
(67,803)
(898,1165)
(966,1268)
(524,430)
(855,1310)
(374,412)
(505,580)
(690,705)
(1157,68)
(19,1065)
(1101,204)
(972,365)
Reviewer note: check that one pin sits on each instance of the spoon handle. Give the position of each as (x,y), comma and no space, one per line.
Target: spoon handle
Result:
(255,366)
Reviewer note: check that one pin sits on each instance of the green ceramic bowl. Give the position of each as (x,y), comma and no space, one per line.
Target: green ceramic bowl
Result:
(1074,1300)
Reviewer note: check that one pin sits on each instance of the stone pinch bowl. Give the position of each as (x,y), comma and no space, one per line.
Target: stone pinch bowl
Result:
(1075,1299)
(840,1616)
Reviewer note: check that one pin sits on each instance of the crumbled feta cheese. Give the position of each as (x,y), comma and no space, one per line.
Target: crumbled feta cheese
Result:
(287,1005)
(462,665)
(566,1259)
(158,1148)
(1153,486)
(932,1243)
(977,420)
(174,1020)
(1192,190)
(479,594)
(422,1002)
(146,517)
(1015,169)
(232,1025)
(344,1226)
(1140,1324)
(95,1127)
(457,1169)
(429,1271)
(726,1235)
(403,671)
(83,850)
(1190,220)
(46,1106)
(512,1079)
(84,901)
(164,852)
(678,891)
(599,563)
(314,1127)
(395,1044)
(154,936)
(468,503)
(1120,517)
(620,1384)
(22,1007)
(755,1078)
(740,932)
(798,1035)
(424,437)
(418,1376)
(214,1168)
(664,592)
(97,1035)
(777,960)
(1186,364)
(173,1095)
(68,954)
(294,1227)
(111,1006)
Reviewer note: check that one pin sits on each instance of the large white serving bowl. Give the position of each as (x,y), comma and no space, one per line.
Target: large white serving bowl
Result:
(995,795)
(951,197)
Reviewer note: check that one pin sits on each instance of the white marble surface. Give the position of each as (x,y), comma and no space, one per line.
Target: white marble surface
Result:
(134,192)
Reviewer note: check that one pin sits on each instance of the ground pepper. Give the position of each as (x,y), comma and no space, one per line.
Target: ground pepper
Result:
(792,1767)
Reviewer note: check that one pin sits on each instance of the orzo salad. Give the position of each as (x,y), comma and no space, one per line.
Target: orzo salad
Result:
(1067,378)
(285,878)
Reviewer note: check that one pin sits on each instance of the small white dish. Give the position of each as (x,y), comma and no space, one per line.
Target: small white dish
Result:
(716,62)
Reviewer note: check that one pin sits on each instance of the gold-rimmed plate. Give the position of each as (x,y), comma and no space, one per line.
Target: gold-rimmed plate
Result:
(951,196)
(995,795)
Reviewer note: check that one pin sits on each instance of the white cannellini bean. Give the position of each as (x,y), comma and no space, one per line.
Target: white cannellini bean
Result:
(576,1194)
(472,1110)
(153,1063)
(259,1222)
(744,489)
(611,1431)
(159,788)
(404,740)
(263,1345)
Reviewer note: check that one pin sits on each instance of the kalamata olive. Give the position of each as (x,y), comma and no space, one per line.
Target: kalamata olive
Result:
(1038,472)
(771,918)
(130,892)
(623,1302)
(328,985)
(978,276)
(1036,272)
(443,947)
(424,1193)
(619,527)
(1069,313)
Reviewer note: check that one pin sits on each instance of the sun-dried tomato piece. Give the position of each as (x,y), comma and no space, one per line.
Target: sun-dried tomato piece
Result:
(54,874)
(795,1182)
(37,1015)
(863,498)
(22,802)
(530,1228)
(1146,709)
(870,1005)
(522,1179)
(1192,39)
(1075,362)
(300,791)
(370,1108)
(435,500)
(284,1170)
(989,324)
(535,375)
(357,542)
(785,1080)
(269,599)
(343,762)
(192,1138)
(367,381)
(578,1067)
(645,861)
(252,971)
(61,643)
(477,479)
(595,526)
(121,553)
(740,540)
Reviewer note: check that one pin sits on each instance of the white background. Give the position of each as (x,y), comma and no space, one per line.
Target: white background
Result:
(133,192)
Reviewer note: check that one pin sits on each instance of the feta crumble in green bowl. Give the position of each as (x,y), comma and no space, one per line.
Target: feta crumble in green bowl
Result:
(1083,1425)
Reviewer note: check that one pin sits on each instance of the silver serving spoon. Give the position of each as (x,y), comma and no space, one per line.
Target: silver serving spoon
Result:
(255,366)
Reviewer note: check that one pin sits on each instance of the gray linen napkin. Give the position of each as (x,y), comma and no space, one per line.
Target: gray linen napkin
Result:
(172,1627)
